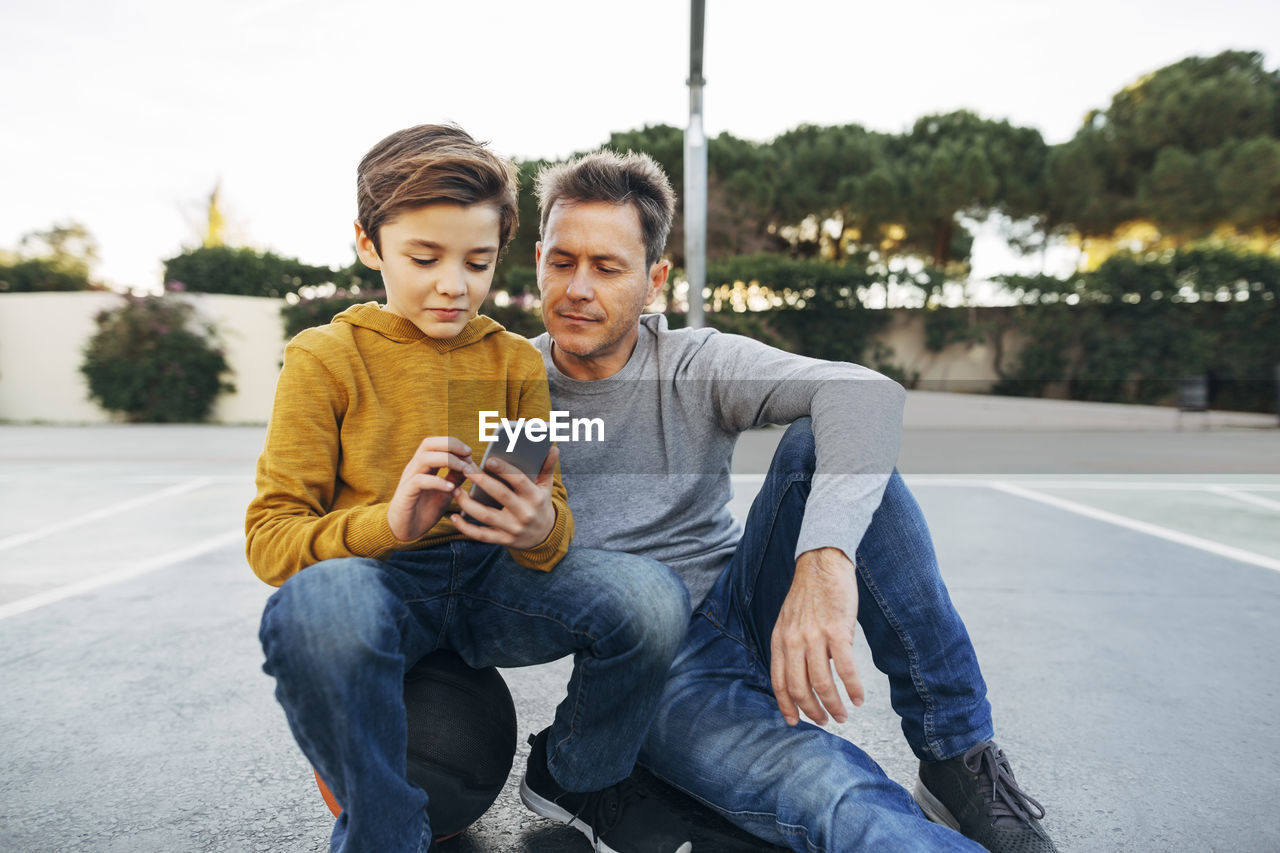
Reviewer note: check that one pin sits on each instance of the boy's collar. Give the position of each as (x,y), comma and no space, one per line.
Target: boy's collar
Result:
(372,316)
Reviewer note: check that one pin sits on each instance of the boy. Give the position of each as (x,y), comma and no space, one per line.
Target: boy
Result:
(358,519)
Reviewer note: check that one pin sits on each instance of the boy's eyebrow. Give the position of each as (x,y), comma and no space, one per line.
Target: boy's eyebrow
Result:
(419,243)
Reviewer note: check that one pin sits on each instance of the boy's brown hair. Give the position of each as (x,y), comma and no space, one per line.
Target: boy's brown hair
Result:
(631,178)
(433,163)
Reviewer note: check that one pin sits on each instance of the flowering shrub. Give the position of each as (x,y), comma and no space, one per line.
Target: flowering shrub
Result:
(151,362)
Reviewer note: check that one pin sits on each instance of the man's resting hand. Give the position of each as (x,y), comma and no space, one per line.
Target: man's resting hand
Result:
(815,629)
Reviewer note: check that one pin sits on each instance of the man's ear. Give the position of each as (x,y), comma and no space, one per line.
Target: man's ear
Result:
(537,263)
(366,251)
(657,278)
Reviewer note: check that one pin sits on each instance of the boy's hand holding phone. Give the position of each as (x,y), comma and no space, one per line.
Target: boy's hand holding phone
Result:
(524,515)
(422,495)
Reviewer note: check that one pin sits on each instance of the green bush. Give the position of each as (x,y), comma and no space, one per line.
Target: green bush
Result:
(319,310)
(516,318)
(244,272)
(41,275)
(750,324)
(823,317)
(1142,324)
(151,362)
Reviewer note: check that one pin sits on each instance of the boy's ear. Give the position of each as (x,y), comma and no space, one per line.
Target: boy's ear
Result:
(366,251)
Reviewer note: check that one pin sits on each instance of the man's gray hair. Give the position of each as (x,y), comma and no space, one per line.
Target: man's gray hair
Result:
(631,178)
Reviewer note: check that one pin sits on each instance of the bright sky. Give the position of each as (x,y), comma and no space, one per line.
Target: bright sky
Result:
(123,114)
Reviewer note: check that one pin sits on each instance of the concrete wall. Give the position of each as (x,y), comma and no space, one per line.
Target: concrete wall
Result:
(965,367)
(42,337)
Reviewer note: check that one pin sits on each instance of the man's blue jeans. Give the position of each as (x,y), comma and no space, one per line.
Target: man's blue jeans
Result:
(719,735)
(340,635)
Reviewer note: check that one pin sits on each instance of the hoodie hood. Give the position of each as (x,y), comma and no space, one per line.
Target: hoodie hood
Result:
(393,327)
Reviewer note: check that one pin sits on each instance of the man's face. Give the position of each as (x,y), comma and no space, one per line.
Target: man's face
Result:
(437,264)
(594,284)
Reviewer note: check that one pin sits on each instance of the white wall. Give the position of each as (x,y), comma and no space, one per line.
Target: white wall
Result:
(963,367)
(252,334)
(42,338)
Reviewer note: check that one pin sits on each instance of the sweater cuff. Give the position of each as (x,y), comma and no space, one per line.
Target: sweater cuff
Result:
(544,556)
(369,535)
(846,537)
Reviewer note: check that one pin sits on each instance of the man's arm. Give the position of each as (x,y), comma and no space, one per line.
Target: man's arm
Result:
(857,426)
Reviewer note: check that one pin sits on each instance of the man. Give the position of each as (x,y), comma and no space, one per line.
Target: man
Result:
(833,539)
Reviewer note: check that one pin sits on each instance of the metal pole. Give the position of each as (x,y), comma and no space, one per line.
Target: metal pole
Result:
(695,173)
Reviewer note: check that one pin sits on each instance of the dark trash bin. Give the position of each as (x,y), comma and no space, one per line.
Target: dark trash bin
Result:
(1193,396)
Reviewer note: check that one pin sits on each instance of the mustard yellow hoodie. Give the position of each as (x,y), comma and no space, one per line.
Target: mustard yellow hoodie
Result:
(354,400)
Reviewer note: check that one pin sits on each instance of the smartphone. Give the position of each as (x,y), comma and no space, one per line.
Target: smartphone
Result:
(527,455)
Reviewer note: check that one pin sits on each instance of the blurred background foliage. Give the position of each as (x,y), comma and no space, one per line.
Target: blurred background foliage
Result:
(152,360)
(59,258)
(1171,192)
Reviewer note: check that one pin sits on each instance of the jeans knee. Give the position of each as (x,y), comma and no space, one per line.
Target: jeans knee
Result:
(330,617)
(667,611)
(649,612)
(796,451)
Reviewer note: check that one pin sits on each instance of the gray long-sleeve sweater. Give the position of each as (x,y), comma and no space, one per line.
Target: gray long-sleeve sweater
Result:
(658,483)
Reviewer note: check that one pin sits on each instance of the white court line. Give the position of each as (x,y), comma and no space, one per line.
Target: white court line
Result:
(164,561)
(104,512)
(1095,485)
(1230,492)
(1142,527)
(46,475)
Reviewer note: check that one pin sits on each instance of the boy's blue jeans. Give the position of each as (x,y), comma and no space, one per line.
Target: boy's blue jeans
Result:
(340,635)
(719,734)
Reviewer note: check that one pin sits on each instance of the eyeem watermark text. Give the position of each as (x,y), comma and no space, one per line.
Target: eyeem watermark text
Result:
(560,427)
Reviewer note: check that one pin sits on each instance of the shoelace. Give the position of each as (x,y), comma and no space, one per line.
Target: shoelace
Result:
(604,809)
(1008,801)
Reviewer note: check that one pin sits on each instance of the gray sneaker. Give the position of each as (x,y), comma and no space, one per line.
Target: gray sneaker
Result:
(976,795)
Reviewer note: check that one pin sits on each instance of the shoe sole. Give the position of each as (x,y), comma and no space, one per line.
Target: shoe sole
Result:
(932,806)
(546,808)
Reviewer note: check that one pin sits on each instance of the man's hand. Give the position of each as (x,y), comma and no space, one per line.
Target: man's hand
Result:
(421,496)
(815,629)
(527,514)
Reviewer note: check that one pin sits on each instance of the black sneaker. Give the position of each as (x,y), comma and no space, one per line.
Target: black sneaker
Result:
(976,794)
(617,819)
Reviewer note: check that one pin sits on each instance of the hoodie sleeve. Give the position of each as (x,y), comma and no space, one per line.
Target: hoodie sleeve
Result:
(535,402)
(289,525)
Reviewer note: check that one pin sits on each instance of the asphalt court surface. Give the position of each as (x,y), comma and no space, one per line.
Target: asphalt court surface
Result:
(1120,578)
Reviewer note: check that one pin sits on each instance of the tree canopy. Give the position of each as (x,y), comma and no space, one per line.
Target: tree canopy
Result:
(1190,148)
(58,258)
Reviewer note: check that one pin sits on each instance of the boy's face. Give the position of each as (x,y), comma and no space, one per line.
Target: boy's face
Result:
(437,263)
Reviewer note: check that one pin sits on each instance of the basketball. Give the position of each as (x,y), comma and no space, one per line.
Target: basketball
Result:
(462,740)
